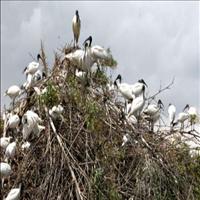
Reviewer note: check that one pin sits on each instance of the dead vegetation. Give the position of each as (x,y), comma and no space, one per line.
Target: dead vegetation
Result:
(79,154)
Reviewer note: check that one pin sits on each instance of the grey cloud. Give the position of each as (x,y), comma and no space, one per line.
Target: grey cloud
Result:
(152,40)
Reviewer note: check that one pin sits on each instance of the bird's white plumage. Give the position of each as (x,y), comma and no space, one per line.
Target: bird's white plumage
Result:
(132,119)
(13,121)
(137,88)
(26,145)
(76,26)
(30,122)
(172,113)
(5,141)
(13,91)
(10,150)
(5,169)
(31,68)
(151,109)
(14,194)
(182,116)
(56,111)
(137,105)
(125,90)
(99,52)
(80,74)
(125,139)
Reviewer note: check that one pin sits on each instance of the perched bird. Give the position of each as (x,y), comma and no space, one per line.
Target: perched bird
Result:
(5,141)
(13,91)
(28,82)
(80,73)
(13,121)
(137,104)
(10,150)
(56,111)
(76,57)
(153,112)
(132,119)
(126,138)
(192,112)
(33,78)
(14,194)
(137,87)
(88,61)
(26,145)
(32,67)
(124,88)
(76,26)
(172,113)
(5,169)
(97,52)
(30,121)
(152,109)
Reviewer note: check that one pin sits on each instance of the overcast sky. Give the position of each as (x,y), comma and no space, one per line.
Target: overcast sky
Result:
(155,41)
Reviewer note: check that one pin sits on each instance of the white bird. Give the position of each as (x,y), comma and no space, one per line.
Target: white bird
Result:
(14,193)
(33,78)
(31,115)
(172,113)
(124,88)
(132,119)
(88,61)
(110,87)
(13,121)
(13,91)
(32,66)
(76,26)
(26,145)
(137,87)
(79,73)
(95,53)
(153,112)
(82,59)
(10,150)
(5,141)
(137,104)
(99,53)
(192,111)
(30,121)
(5,169)
(56,111)
(38,75)
(126,138)
(152,109)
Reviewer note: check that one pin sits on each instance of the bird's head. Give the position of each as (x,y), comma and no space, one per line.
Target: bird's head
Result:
(39,57)
(142,81)
(160,104)
(76,12)
(186,107)
(119,77)
(89,39)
